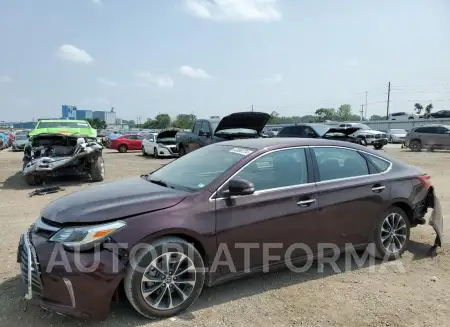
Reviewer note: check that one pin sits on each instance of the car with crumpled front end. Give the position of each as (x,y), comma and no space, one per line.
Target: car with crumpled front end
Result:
(158,236)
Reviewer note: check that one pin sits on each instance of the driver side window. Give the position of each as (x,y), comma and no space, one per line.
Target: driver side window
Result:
(277,169)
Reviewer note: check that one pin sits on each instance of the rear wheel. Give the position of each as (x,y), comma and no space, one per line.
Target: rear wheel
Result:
(123,148)
(415,146)
(165,279)
(392,234)
(143,151)
(98,170)
(378,146)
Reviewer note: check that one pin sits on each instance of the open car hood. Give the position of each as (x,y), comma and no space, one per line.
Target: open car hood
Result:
(246,120)
(167,134)
(346,131)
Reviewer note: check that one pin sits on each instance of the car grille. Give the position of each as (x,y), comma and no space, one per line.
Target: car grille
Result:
(29,266)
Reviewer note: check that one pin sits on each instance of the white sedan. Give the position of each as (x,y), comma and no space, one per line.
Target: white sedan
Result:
(161,144)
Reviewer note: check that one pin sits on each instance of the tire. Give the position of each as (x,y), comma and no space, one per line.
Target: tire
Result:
(123,148)
(33,180)
(159,250)
(155,153)
(98,170)
(403,228)
(182,151)
(143,151)
(415,146)
(391,140)
(378,146)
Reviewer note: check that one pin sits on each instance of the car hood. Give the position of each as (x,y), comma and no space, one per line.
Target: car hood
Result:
(167,134)
(346,131)
(248,120)
(370,131)
(109,201)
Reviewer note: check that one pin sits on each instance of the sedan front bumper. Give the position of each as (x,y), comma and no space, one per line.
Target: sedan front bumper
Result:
(53,276)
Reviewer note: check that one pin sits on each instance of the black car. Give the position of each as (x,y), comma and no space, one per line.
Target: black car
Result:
(322,131)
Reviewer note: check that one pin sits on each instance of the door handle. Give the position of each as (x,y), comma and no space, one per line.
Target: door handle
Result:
(378,188)
(305,203)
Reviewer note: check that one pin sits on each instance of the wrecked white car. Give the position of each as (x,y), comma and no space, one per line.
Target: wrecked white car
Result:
(51,155)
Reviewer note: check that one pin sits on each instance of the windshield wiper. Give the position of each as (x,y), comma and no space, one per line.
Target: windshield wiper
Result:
(159,182)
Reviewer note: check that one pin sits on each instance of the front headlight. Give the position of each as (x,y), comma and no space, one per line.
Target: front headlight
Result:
(86,235)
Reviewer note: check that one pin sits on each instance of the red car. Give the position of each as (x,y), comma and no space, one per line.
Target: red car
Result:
(127,142)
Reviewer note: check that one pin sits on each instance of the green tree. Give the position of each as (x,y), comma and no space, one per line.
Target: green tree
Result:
(97,123)
(184,121)
(344,112)
(326,113)
(429,108)
(418,108)
(376,117)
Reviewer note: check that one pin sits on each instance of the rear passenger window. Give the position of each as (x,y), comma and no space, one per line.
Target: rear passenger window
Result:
(337,163)
(381,164)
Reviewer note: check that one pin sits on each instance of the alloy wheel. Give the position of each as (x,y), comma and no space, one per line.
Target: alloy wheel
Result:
(168,281)
(394,233)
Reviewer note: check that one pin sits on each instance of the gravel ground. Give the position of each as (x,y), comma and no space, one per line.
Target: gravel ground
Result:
(413,291)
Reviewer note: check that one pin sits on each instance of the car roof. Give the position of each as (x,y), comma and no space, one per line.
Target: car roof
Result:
(63,120)
(282,142)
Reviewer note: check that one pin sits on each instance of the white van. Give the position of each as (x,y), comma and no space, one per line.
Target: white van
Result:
(401,116)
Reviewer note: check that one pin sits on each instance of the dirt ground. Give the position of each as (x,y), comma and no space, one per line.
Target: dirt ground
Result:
(412,292)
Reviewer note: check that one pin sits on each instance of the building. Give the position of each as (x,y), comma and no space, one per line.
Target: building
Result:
(68,112)
(99,115)
(110,117)
(84,114)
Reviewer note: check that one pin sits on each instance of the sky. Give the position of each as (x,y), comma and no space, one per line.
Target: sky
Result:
(214,57)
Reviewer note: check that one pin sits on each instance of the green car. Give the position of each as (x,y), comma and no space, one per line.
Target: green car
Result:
(79,127)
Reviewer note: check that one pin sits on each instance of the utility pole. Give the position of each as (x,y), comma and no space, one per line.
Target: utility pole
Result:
(388,100)
(252,108)
(361,112)
(365,115)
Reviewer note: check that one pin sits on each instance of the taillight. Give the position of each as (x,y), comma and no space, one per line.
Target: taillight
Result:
(425,180)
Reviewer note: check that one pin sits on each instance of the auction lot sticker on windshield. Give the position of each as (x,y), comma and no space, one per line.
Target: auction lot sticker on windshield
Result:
(242,151)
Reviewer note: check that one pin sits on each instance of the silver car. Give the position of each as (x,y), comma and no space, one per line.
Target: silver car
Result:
(429,137)
(396,135)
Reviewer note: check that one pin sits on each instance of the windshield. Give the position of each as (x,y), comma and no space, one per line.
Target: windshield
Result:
(196,170)
(62,124)
(237,131)
(320,129)
(20,137)
(398,131)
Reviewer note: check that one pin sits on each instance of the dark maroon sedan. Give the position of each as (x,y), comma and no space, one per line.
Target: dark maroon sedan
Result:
(216,214)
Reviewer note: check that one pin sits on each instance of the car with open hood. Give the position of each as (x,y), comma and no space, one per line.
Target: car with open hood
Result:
(215,214)
(321,131)
(162,144)
(239,125)
(54,154)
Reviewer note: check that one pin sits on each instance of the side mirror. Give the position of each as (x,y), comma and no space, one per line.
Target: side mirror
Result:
(239,187)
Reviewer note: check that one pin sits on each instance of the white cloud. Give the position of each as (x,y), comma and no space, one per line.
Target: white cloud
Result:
(233,10)
(276,79)
(145,79)
(97,2)
(106,82)
(5,79)
(72,53)
(193,72)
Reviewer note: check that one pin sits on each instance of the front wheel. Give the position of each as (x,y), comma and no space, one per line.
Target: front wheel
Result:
(182,151)
(98,170)
(123,148)
(165,279)
(378,146)
(415,146)
(392,234)
(155,153)
(143,151)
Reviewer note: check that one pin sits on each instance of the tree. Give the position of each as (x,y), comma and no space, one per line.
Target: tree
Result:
(97,123)
(376,117)
(184,121)
(344,112)
(326,113)
(418,108)
(161,121)
(429,108)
